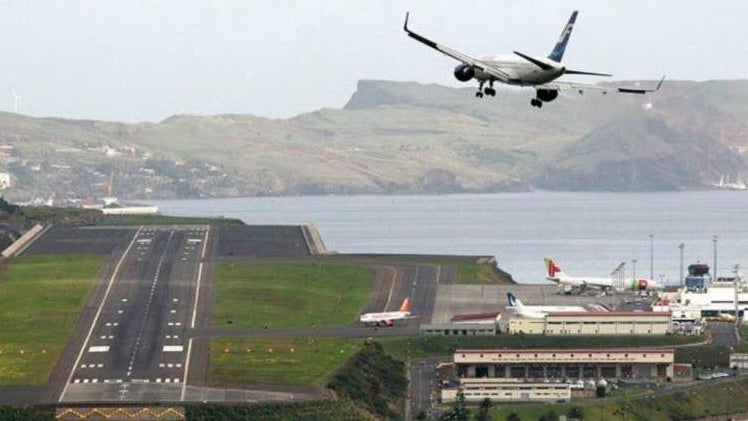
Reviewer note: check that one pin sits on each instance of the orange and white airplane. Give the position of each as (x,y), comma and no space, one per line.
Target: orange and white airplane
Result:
(388,318)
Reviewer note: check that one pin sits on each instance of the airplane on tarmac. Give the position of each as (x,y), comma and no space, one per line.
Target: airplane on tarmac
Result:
(523,69)
(536,312)
(556,274)
(388,318)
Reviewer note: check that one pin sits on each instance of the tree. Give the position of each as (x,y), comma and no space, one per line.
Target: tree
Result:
(459,411)
(484,410)
(575,413)
(513,416)
(600,391)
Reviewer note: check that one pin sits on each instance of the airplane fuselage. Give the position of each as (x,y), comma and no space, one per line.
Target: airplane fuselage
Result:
(383,318)
(520,71)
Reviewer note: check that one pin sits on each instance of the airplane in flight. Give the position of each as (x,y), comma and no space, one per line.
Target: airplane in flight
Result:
(388,318)
(537,312)
(523,69)
(556,274)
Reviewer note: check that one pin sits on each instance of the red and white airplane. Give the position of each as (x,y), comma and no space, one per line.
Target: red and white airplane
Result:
(615,281)
(388,318)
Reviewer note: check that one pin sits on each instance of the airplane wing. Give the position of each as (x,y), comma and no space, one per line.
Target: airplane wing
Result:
(581,88)
(498,74)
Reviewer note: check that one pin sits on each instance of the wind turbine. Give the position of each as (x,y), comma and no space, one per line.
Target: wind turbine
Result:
(16,101)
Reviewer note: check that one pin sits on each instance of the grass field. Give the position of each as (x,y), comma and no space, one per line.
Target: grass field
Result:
(289,295)
(300,361)
(434,346)
(40,300)
(474,273)
(700,400)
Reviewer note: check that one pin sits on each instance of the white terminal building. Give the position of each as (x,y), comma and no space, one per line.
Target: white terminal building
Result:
(701,297)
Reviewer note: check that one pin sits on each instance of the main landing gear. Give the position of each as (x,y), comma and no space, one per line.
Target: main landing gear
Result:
(536,103)
(490,91)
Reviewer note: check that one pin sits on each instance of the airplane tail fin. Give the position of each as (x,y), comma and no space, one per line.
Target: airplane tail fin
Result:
(405,305)
(558,51)
(513,301)
(553,271)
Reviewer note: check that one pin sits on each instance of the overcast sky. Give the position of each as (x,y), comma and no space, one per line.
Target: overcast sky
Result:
(147,60)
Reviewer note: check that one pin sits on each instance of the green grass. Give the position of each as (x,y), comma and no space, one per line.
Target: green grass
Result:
(481,273)
(41,298)
(299,361)
(742,346)
(288,295)
(433,346)
(700,400)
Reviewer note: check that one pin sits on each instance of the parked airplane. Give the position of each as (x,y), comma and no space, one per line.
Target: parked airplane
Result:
(556,274)
(645,284)
(523,69)
(536,312)
(388,318)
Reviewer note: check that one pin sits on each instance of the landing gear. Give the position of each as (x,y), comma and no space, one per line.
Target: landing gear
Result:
(479,94)
(536,103)
(490,91)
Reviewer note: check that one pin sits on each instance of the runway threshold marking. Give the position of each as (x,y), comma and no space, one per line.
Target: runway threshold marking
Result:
(194,313)
(98,312)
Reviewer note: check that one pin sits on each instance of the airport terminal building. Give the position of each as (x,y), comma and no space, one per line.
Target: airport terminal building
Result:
(593,323)
(644,363)
(549,374)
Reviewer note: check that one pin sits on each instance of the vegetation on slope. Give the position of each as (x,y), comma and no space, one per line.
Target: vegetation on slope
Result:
(374,380)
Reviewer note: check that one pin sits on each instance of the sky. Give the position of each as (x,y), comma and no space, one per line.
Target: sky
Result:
(137,60)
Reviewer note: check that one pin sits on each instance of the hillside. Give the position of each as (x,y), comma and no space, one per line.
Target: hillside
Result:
(395,137)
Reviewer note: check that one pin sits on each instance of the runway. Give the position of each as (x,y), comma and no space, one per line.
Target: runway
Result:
(136,349)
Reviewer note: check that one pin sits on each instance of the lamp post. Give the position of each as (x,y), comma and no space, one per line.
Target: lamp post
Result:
(633,268)
(651,257)
(681,279)
(714,241)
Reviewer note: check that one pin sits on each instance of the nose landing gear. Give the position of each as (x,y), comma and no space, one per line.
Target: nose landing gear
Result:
(536,103)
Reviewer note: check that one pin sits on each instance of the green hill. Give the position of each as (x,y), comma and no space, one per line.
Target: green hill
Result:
(395,137)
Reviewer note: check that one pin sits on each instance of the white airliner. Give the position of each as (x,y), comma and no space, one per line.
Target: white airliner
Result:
(387,318)
(556,274)
(523,69)
(537,312)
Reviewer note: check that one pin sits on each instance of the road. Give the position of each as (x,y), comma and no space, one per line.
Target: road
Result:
(136,348)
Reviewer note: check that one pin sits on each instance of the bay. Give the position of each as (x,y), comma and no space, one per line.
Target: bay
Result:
(586,233)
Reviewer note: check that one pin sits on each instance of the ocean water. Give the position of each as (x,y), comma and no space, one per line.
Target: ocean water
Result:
(586,233)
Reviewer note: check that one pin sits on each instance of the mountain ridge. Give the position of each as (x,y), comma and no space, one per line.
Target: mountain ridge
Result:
(395,137)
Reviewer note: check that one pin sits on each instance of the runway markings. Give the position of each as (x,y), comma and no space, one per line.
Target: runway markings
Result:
(173,348)
(99,348)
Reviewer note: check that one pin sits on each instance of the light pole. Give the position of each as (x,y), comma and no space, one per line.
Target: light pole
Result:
(651,257)
(714,240)
(633,270)
(681,279)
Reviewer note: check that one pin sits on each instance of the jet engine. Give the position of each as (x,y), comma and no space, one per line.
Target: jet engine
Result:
(546,95)
(464,73)
(642,285)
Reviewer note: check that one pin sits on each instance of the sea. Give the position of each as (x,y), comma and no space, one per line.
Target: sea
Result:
(587,234)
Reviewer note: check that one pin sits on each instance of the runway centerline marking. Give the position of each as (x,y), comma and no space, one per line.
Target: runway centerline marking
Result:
(98,312)
(144,318)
